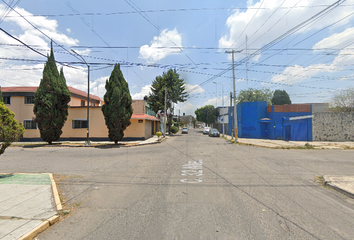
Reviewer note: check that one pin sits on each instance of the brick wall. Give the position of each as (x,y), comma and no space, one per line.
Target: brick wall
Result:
(328,126)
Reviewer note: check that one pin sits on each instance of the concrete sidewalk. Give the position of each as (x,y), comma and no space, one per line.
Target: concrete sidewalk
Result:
(29,204)
(293,144)
(343,184)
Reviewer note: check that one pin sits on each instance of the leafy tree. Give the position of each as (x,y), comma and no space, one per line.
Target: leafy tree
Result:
(176,92)
(207,114)
(117,108)
(10,129)
(280,97)
(254,95)
(343,100)
(51,101)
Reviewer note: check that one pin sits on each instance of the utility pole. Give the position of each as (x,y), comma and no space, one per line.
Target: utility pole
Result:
(165,114)
(233,77)
(231,115)
(88,97)
(179,117)
(222,97)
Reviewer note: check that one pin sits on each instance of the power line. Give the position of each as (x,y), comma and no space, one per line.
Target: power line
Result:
(276,40)
(246,25)
(39,30)
(7,9)
(136,8)
(168,10)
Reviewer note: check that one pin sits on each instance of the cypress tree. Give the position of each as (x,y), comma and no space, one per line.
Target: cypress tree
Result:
(51,101)
(117,108)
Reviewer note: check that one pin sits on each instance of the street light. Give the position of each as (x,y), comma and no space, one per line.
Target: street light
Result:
(222,96)
(88,95)
(233,77)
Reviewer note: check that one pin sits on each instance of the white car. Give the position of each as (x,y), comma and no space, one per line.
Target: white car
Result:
(206,130)
(184,130)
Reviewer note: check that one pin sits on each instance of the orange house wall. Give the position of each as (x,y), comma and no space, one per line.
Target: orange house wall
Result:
(98,128)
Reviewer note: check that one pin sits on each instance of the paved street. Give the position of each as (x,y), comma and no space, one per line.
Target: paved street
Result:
(194,187)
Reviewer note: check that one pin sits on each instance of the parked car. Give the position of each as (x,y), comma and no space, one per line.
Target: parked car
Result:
(206,130)
(214,133)
(184,130)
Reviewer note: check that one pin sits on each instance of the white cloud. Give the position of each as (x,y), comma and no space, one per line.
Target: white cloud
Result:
(159,47)
(295,74)
(214,101)
(68,30)
(20,75)
(33,36)
(185,107)
(262,30)
(196,89)
(83,52)
(336,40)
(144,92)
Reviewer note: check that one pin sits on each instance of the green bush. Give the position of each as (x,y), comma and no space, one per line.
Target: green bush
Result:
(174,129)
(158,134)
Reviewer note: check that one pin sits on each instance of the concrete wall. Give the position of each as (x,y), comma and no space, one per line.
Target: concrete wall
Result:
(328,126)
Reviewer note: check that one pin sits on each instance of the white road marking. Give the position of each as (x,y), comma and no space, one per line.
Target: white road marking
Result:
(192,168)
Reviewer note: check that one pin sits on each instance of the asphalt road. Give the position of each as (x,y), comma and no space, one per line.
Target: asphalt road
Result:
(194,187)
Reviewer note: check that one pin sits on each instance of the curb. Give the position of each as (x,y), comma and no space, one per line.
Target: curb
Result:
(334,187)
(43,226)
(50,221)
(90,146)
(55,193)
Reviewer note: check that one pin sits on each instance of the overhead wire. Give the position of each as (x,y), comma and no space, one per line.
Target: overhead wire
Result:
(40,30)
(246,25)
(170,10)
(275,41)
(7,10)
(136,8)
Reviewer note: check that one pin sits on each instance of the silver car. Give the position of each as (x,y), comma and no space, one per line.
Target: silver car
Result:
(206,130)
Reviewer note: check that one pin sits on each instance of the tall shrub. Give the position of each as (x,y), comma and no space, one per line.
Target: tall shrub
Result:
(51,101)
(117,108)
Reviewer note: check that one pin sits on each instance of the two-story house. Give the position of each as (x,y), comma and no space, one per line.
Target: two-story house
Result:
(20,100)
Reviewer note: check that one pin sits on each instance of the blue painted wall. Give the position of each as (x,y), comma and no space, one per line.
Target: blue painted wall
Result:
(276,129)
(274,125)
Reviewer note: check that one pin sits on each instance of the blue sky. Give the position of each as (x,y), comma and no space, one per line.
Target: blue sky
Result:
(303,47)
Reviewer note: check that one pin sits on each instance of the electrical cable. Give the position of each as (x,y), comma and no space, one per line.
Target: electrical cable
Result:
(130,2)
(275,41)
(41,31)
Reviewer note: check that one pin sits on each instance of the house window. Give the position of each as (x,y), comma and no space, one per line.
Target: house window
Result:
(29,99)
(82,103)
(79,124)
(29,124)
(7,100)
